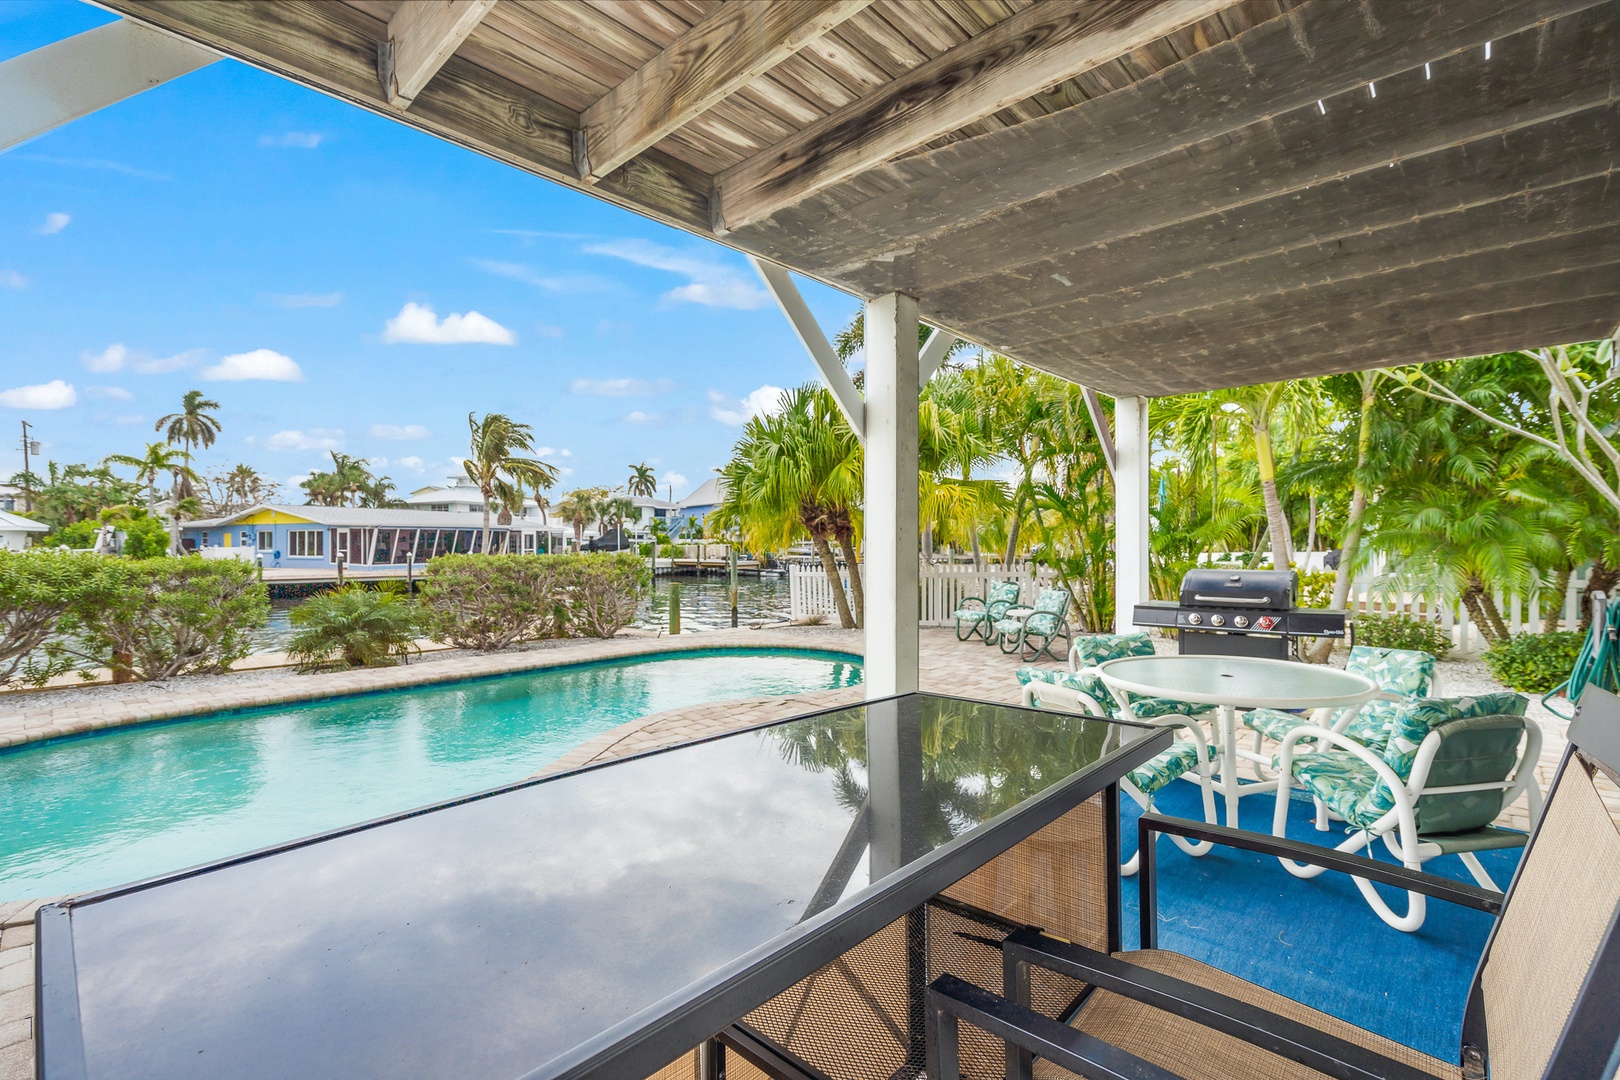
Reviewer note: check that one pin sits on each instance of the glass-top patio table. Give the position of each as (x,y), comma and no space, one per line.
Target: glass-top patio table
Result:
(1230,683)
(790,889)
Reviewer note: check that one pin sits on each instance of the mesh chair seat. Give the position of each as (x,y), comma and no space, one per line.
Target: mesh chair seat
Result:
(1196,1052)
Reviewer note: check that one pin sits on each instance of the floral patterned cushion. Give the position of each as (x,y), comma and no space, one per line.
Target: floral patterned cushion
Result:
(1092,649)
(1344,782)
(1144,708)
(1368,727)
(1001,596)
(1407,672)
(1155,775)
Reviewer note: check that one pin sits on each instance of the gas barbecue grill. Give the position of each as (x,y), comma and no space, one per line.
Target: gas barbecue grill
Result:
(1240,613)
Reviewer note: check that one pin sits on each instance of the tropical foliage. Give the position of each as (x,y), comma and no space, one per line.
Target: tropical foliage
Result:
(1535,663)
(489,602)
(354,626)
(494,458)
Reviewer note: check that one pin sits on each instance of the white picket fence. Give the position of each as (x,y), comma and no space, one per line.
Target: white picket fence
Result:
(944,586)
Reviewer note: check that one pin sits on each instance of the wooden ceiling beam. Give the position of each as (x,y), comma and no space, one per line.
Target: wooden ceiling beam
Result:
(422,35)
(332,47)
(1320,49)
(1442,334)
(716,57)
(1013,60)
(1463,101)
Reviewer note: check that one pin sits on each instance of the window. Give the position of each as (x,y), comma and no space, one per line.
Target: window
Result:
(267,540)
(306,543)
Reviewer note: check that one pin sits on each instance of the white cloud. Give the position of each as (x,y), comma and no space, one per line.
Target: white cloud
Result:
(112,393)
(761,402)
(711,283)
(55,394)
(377,462)
(264,365)
(416,324)
(11,279)
(162,365)
(643,419)
(303,300)
(413,462)
(55,223)
(296,140)
(399,431)
(93,163)
(529,276)
(620,387)
(675,481)
(547,330)
(313,439)
(109,359)
(543,452)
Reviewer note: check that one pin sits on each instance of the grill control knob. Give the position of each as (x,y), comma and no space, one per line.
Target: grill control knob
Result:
(1217,620)
(1240,621)
(1195,619)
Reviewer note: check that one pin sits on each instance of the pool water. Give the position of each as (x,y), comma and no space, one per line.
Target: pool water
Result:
(129,803)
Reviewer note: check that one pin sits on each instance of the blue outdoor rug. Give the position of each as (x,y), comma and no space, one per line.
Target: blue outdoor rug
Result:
(1316,941)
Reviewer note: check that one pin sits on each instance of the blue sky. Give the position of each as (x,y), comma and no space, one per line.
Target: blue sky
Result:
(335,279)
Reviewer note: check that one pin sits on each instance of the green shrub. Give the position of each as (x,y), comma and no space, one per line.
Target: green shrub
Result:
(1315,589)
(37,590)
(1535,663)
(354,627)
(158,618)
(145,538)
(1403,632)
(80,534)
(489,602)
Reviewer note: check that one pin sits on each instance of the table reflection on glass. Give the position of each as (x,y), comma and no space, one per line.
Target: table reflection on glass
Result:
(790,887)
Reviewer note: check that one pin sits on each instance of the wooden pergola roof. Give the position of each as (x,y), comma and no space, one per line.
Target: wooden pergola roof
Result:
(1144,196)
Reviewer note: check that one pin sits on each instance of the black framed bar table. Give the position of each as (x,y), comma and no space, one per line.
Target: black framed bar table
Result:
(781,895)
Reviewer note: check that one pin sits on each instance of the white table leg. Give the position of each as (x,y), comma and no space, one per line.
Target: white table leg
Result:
(1229,763)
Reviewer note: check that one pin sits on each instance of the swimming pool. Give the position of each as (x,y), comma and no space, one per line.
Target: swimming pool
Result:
(120,805)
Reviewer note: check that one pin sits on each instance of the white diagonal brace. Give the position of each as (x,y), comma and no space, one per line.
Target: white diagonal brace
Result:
(1099,424)
(933,353)
(76,76)
(815,343)
(422,35)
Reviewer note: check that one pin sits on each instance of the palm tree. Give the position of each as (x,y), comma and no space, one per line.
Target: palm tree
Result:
(245,483)
(642,481)
(580,507)
(495,443)
(615,510)
(194,425)
(159,459)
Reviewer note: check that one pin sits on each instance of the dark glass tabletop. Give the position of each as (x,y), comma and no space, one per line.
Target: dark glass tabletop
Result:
(545,927)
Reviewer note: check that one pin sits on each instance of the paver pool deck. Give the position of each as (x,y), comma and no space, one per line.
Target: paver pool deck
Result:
(947,667)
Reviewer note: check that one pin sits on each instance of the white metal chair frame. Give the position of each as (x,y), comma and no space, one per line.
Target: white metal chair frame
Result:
(1039,695)
(1398,827)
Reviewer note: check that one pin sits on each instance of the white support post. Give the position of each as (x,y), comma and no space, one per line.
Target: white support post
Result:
(815,343)
(939,343)
(1130,508)
(891,496)
(76,76)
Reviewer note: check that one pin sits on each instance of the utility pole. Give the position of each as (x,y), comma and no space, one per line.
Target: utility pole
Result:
(28,486)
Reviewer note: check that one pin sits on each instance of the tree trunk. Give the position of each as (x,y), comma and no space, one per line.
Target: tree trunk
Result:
(1602,580)
(823,549)
(1350,550)
(1276,522)
(1012,533)
(1487,600)
(485,548)
(1310,533)
(857,588)
(1555,610)
(1481,606)
(978,559)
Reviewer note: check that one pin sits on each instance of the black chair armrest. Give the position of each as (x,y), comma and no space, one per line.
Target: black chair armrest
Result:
(951,999)
(1253,1024)
(1400,877)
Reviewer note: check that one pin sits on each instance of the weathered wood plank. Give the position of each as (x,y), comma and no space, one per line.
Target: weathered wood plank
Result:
(1320,49)
(332,47)
(1006,64)
(1466,102)
(1349,321)
(421,36)
(1443,332)
(1532,230)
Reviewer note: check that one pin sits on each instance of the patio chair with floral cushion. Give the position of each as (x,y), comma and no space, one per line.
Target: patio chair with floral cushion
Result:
(1540,1006)
(1401,674)
(1445,769)
(1082,690)
(978,615)
(1035,633)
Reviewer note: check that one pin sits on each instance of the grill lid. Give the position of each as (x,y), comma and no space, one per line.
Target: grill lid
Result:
(1273,589)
